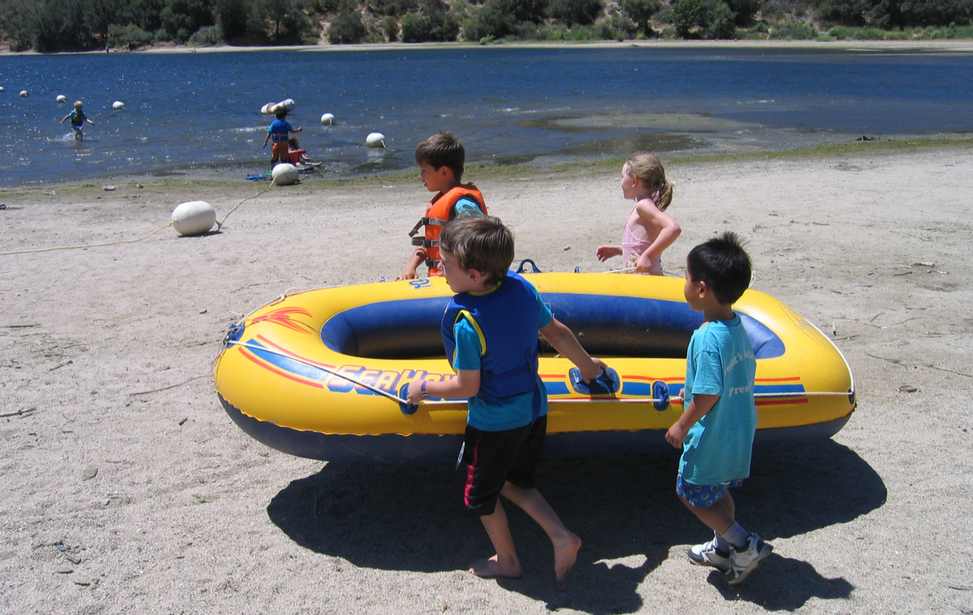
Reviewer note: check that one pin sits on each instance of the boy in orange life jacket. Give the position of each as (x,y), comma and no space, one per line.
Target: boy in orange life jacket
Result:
(440,159)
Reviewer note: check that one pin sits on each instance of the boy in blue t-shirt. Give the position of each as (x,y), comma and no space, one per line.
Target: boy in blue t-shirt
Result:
(490,332)
(717,425)
(278,133)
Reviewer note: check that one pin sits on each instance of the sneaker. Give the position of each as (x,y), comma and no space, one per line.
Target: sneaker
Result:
(742,563)
(707,554)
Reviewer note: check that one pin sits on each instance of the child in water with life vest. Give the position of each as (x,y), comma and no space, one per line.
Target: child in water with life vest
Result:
(716,427)
(78,120)
(649,230)
(489,331)
(278,133)
(440,159)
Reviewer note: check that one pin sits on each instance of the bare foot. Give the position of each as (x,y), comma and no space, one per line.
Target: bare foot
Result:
(491,568)
(565,555)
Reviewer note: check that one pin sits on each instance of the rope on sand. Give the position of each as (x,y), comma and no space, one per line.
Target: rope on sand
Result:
(88,245)
(80,246)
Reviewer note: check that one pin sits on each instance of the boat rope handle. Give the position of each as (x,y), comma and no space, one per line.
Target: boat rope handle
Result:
(364,385)
(406,406)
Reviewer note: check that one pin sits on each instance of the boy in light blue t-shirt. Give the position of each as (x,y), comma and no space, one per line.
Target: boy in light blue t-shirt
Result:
(717,425)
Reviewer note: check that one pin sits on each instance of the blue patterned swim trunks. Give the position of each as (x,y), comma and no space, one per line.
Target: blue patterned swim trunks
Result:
(704,496)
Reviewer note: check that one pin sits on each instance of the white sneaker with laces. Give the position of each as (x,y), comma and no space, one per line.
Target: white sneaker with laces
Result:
(742,563)
(706,554)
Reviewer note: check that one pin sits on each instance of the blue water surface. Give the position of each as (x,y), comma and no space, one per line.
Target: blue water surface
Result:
(199,113)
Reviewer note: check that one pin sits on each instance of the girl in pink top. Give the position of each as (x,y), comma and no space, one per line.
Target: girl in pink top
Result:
(648,230)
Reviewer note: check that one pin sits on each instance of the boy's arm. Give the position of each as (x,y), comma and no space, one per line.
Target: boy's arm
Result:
(417,258)
(564,342)
(63,119)
(267,138)
(466,383)
(669,231)
(699,407)
(298,129)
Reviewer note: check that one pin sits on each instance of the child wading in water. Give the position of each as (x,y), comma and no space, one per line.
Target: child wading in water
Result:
(648,230)
(78,119)
(716,428)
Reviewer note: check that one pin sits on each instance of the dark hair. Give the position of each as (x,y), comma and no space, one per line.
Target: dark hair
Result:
(723,264)
(280,114)
(479,242)
(442,150)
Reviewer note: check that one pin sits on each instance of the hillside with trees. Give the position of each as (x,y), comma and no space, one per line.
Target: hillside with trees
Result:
(75,25)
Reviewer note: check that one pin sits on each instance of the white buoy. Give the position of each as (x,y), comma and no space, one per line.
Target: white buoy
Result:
(287,103)
(1,88)
(23,93)
(193,218)
(375,139)
(117,105)
(284,174)
(267,109)
(327,119)
(61,98)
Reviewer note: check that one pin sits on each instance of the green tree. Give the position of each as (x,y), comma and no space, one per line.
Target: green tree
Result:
(100,14)
(59,26)
(288,23)
(743,11)
(582,12)
(347,27)
(232,17)
(488,21)
(432,23)
(641,11)
(18,22)
(710,19)
(181,18)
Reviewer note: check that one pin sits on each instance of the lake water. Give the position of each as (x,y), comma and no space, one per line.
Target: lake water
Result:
(199,113)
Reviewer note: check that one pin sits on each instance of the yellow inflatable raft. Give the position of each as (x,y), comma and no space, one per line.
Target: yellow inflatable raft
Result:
(319,374)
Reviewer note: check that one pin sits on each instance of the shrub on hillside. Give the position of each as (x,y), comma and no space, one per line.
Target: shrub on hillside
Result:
(207,36)
(128,37)
(346,28)
(390,27)
(640,12)
(431,26)
(571,12)
(793,30)
(709,19)
(490,21)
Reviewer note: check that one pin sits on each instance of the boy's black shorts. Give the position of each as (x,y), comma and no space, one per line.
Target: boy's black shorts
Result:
(493,457)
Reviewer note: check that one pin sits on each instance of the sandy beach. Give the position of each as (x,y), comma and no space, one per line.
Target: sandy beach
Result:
(127,489)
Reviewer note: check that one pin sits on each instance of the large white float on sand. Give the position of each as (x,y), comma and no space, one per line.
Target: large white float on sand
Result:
(193,218)
(285,174)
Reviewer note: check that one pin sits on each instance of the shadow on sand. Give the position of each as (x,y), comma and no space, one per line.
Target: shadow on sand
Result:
(410,518)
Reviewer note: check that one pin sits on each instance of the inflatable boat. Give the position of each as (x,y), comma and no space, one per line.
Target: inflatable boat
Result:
(320,374)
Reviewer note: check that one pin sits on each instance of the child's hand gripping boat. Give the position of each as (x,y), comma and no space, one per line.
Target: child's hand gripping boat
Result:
(321,374)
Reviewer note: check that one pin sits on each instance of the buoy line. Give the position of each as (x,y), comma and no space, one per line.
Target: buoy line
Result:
(102,244)
(89,245)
